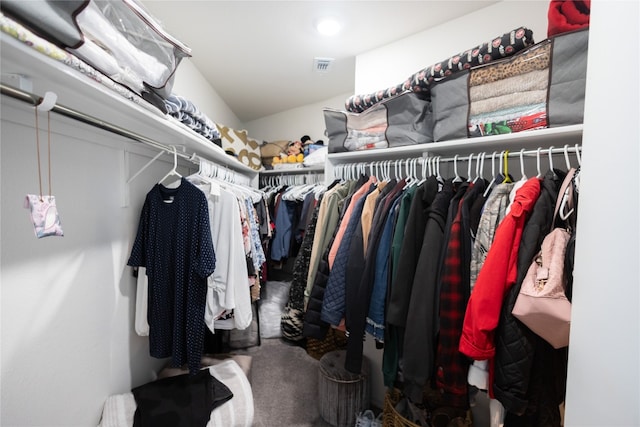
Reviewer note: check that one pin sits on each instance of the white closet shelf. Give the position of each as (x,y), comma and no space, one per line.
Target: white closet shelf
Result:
(298,171)
(81,93)
(529,140)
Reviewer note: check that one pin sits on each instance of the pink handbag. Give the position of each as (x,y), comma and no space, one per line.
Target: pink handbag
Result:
(542,304)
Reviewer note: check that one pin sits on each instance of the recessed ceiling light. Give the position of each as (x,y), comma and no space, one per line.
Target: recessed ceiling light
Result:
(328,26)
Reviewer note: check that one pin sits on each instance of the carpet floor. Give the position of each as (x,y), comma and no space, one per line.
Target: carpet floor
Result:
(284,379)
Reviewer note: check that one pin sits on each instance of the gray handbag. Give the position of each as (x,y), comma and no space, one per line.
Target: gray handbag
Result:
(401,120)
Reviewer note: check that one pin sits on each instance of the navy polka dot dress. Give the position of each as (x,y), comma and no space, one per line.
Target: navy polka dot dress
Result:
(174,243)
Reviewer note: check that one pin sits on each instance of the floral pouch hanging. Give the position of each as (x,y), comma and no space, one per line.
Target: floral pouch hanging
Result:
(43,210)
(44,215)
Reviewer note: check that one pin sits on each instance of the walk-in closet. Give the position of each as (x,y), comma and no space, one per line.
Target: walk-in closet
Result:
(176,252)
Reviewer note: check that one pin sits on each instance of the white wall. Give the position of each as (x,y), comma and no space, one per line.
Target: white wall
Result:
(190,84)
(604,354)
(67,302)
(294,123)
(392,64)
(289,125)
(397,61)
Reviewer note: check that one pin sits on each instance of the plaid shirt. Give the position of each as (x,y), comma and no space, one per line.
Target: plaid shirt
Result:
(451,365)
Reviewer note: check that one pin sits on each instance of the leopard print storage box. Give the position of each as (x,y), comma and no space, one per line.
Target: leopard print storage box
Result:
(539,87)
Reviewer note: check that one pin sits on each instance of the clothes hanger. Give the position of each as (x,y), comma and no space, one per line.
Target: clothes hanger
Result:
(457,177)
(173,171)
(427,168)
(505,158)
(469,165)
(425,163)
(475,179)
(479,166)
(566,157)
(410,175)
(555,176)
(539,176)
(565,197)
(563,204)
(578,155)
(493,175)
(522,173)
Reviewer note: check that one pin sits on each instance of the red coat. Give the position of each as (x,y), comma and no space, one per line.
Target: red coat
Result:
(496,277)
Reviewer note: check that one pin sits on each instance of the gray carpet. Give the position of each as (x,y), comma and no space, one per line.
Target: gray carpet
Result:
(284,379)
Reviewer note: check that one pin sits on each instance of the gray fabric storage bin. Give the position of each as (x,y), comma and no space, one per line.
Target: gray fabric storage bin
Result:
(568,78)
(560,101)
(450,103)
(404,119)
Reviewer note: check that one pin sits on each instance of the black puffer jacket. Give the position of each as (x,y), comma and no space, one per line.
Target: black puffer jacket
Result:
(314,326)
(293,315)
(530,376)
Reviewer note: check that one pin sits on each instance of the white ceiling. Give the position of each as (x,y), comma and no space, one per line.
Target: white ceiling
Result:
(258,55)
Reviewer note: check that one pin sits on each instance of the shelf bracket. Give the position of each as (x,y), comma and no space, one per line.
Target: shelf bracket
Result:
(135,175)
(25,83)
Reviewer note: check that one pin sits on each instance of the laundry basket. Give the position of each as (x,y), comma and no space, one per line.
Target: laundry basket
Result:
(342,394)
(391,417)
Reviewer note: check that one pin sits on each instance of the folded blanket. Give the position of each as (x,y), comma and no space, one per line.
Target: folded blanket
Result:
(187,113)
(506,114)
(567,15)
(536,120)
(536,58)
(355,143)
(500,47)
(533,80)
(507,101)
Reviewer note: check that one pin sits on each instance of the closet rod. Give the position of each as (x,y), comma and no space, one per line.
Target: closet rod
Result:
(515,153)
(464,158)
(85,118)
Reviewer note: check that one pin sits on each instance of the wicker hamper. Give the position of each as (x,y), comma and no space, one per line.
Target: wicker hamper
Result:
(342,394)
(439,416)
(391,417)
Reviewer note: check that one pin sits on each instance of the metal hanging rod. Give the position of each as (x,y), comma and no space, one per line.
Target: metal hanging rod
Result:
(85,118)
(410,165)
(462,158)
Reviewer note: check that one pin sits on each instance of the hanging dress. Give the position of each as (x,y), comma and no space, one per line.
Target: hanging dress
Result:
(174,243)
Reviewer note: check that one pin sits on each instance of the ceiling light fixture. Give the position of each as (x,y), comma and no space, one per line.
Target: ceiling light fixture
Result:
(328,26)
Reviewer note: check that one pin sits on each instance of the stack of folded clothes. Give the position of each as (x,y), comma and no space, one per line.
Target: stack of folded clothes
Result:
(510,96)
(187,113)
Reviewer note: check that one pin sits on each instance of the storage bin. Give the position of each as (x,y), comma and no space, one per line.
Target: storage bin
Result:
(402,120)
(118,37)
(342,394)
(539,87)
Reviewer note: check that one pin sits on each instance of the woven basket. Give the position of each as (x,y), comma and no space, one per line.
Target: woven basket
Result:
(334,340)
(391,417)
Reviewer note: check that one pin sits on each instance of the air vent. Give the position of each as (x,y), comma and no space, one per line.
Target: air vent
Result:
(322,65)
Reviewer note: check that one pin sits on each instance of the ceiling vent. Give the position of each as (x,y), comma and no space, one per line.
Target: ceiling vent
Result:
(322,65)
